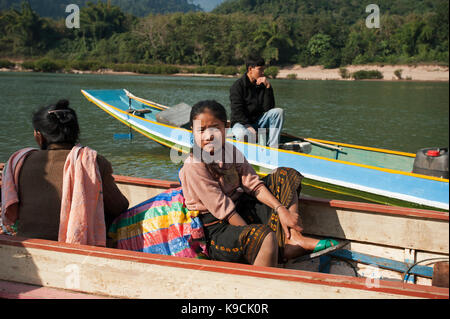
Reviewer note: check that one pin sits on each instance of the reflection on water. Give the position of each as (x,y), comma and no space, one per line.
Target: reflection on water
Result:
(404,116)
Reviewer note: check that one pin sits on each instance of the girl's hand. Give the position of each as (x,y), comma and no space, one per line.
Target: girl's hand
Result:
(288,221)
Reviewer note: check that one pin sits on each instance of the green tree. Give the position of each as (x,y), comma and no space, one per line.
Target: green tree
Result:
(319,44)
(23,28)
(270,40)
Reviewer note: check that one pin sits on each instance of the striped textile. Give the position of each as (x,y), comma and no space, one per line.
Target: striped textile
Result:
(161,225)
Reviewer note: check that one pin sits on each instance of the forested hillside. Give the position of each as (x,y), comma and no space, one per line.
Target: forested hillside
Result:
(56,8)
(331,33)
(349,10)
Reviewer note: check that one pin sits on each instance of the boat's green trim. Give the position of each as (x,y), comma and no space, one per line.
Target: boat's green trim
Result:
(366,157)
(370,156)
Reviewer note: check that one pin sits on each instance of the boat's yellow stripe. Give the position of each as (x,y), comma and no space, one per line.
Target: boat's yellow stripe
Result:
(379,150)
(138,117)
(387,170)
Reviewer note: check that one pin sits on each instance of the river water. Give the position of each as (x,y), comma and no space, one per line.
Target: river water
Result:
(403,116)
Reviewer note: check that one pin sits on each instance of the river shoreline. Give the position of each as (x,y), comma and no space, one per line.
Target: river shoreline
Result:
(419,73)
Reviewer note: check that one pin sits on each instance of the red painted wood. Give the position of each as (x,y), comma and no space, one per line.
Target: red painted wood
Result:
(145,182)
(230,268)
(377,208)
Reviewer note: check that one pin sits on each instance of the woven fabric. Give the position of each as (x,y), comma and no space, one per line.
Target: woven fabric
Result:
(161,225)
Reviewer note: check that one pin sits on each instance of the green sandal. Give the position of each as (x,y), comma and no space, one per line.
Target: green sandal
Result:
(324,244)
(323,247)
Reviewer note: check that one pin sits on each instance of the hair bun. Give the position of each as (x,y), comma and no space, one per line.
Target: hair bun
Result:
(61,113)
(62,104)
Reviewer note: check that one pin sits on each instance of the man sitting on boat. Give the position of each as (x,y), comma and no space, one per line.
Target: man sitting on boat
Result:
(253,106)
(63,191)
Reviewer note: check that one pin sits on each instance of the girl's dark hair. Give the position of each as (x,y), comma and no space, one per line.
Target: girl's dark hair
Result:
(57,123)
(219,112)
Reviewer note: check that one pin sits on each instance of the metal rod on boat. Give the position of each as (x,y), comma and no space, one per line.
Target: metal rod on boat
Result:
(323,145)
(131,96)
(336,148)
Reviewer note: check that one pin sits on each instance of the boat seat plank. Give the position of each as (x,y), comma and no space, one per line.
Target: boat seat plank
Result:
(384,263)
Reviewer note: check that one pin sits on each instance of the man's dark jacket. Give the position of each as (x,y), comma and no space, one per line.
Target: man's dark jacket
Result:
(249,101)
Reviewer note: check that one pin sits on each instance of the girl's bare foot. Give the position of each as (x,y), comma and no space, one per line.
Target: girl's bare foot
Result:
(298,245)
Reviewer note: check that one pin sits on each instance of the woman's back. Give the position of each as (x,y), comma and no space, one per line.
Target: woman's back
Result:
(43,178)
(40,193)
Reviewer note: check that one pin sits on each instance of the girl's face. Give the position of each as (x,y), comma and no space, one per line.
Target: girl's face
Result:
(209,132)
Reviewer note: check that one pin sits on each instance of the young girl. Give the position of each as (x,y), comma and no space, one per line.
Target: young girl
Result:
(246,219)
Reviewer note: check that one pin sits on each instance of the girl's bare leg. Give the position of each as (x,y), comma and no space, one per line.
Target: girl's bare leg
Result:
(268,253)
(298,244)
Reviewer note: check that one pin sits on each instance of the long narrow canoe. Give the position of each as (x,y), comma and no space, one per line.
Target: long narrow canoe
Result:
(378,175)
(386,235)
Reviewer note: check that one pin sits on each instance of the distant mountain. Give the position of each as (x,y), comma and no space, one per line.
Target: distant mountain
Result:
(56,8)
(207,5)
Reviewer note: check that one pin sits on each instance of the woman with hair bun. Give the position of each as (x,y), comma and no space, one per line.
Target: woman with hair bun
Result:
(62,191)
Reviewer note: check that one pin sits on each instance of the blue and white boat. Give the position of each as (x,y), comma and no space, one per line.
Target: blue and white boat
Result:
(378,175)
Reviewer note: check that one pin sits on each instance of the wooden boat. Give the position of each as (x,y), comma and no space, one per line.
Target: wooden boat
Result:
(378,175)
(398,237)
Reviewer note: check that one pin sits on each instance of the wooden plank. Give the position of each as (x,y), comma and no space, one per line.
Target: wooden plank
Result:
(138,194)
(129,274)
(379,228)
(155,183)
(377,208)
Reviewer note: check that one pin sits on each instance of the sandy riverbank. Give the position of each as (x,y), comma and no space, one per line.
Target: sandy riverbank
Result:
(435,73)
(414,73)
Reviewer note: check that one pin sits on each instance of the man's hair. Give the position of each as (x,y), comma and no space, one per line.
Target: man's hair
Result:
(253,62)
